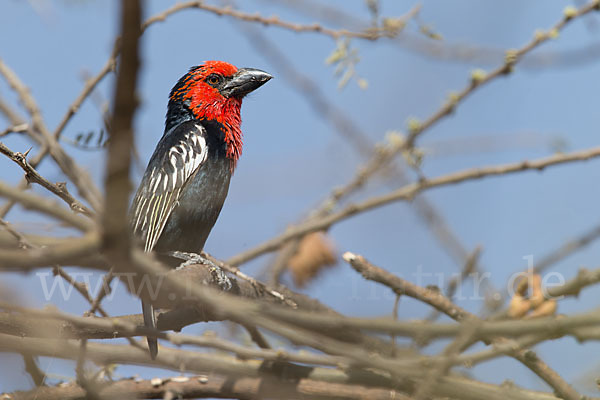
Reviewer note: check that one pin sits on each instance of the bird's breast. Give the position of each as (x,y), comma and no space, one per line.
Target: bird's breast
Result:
(198,208)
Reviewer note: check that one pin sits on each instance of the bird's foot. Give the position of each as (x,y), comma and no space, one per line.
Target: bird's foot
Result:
(220,278)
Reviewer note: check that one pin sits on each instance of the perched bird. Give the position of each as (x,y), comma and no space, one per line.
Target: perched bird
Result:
(185,184)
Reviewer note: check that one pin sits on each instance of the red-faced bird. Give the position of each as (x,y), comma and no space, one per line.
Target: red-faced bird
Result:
(185,184)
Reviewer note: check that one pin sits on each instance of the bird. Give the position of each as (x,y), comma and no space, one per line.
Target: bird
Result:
(187,178)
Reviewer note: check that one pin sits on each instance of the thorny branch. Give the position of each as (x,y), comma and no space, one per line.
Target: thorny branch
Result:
(59,189)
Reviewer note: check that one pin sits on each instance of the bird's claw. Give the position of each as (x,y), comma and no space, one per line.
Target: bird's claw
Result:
(220,278)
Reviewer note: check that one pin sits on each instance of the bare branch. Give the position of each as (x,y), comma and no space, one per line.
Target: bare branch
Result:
(22,241)
(33,369)
(553,257)
(388,152)
(353,135)
(88,88)
(343,357)
(441,303)
(104,291)
(15,128)
(72,251)
(445,50)
(553,327)
(180,360)
(50,323)
(116,234)
(69,167)
(59,189)
(512,57)
(48,207)
(211,386)
(369,34)
(408,192)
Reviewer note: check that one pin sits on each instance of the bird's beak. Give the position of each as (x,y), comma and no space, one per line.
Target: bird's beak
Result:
(245,81)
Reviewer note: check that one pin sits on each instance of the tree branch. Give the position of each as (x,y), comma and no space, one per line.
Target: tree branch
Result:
(59,189)
(408,192)
(115,219)
(369,34)
(454,387)
(46,206)
(69,167)
(212,386)
(441,303)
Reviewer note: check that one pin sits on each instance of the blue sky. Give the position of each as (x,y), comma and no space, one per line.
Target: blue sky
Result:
(292,158)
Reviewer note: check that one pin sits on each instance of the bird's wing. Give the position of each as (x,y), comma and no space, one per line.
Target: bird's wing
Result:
(177,157)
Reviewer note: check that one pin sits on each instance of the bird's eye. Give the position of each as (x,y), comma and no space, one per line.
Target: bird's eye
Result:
(213,79)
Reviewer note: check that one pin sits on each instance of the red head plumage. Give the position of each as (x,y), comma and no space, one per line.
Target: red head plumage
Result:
(213,92)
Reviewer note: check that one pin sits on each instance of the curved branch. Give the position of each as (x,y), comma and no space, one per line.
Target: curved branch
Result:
(408,192)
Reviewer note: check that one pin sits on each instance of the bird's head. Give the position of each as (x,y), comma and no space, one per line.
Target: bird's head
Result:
(213,92)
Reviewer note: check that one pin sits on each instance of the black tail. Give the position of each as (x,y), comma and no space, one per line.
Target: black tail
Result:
(150,322)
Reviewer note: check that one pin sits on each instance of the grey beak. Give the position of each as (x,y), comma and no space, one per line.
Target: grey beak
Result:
(245,81)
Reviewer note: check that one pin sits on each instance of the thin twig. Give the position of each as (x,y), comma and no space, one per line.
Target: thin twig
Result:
(512,58)
(59,189)
(15,128)
(373,33)
(22,241)
(46,206)
(455,282)
(553,257)
(351,134)
(104,291)
(408,192)
(443,304)
(33,369)
(88,88)
(388,152)
(85,186)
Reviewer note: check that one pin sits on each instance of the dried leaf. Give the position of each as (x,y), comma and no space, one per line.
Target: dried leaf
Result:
(315,252)
(537,294)
(519,306)
(547,308)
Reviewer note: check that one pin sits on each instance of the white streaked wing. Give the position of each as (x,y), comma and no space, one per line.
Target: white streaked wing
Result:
(163,185)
